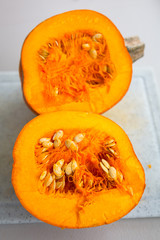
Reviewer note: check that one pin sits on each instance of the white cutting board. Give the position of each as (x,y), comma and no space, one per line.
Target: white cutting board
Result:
(138,114)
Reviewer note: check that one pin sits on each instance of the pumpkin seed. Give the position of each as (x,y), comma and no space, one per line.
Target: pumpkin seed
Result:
(47,144)
(109,141)
(105,163)
(93,53)
(42,140)
(112,172)
(74,165)
(97,37)
(72,145)
(69,169)
(43,175)
(57,170)
(43,54)
(104,168)
(112,151)
(111,144)
(86,46)
(45,157)
(49,45)
(48,180)
(56,42)
(68,143)
(55,90)
(42,57)
(79,137)
(60,162)
(57,143)
(44,150)
(57,178)
(120,176)
(107,155)
(58,134)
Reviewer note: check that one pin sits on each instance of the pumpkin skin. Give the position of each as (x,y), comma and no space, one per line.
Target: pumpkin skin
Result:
(61,209)
(39,90)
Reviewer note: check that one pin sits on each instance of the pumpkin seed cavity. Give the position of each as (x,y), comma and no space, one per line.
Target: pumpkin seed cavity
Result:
(72,65)
(82,162)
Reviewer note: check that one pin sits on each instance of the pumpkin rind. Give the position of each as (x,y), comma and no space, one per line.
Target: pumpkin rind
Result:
(61,209)
(100,99)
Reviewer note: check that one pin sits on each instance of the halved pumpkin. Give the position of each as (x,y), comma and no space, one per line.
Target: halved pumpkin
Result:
(76,170)
(75,61)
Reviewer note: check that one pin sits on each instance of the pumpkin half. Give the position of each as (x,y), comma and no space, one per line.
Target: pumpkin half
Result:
(76,175)
(75,61)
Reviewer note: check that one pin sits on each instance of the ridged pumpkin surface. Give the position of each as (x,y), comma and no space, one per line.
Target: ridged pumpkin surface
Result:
(75,61)
(76,170)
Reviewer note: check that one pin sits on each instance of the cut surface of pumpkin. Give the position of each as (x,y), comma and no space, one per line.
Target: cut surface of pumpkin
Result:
(75,61)
(76,177)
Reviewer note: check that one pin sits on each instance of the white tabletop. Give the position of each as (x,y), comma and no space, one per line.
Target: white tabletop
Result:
(136,17)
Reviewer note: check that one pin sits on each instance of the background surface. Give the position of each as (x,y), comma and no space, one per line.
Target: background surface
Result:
(134,17)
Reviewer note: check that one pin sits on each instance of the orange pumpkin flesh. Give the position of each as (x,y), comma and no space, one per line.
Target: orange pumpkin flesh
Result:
(88,196)
(75,61)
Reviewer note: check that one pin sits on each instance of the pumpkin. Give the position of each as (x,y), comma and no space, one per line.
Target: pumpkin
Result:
(76,170)
(75,61)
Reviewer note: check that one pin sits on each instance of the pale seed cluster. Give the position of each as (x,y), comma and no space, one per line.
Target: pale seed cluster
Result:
(93,46)
(86,46)
(111,171)
(56,179)
(55,141)
(110,147)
